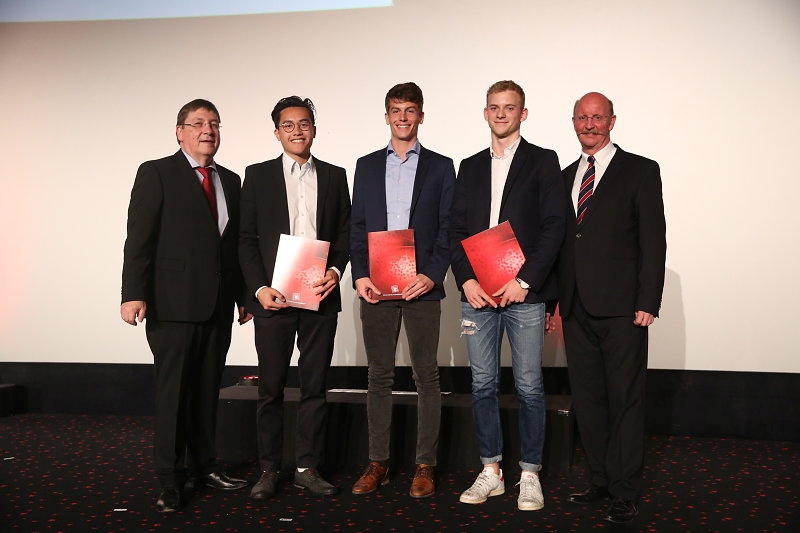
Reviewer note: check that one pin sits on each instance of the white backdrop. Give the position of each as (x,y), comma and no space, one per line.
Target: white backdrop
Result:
(705,88)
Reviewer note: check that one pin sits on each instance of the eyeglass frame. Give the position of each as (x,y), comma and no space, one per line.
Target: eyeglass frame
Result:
(289,126)
(200,125)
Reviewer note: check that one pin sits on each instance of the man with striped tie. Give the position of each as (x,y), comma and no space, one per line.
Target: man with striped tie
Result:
(610,276)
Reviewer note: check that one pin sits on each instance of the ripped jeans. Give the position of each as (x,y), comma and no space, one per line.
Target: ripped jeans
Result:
(483,331)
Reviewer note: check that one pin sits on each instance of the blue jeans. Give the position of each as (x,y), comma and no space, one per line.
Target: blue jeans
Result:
(483,331)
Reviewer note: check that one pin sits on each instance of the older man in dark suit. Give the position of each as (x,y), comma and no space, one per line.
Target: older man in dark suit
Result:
(294,194)
(611,275)
(181,272)
(402,186)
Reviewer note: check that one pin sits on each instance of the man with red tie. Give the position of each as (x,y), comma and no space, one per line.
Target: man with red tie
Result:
(181,273)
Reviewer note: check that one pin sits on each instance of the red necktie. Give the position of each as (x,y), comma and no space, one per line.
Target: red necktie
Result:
(208,189)
(585,193)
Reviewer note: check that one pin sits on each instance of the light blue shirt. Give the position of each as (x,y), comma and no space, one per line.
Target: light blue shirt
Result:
(400,176)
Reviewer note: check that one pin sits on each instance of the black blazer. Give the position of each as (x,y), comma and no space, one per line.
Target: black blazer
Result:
(533,201)
(265,215)
(616,257)
(175,258)
(429,218)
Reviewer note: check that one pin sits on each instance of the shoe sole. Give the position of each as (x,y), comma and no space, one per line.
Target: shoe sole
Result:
(381,484)
(315,493)
(529,507)
(495,492)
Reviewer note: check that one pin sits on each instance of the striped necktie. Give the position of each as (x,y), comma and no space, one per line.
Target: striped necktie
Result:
(585,194)
(208,189)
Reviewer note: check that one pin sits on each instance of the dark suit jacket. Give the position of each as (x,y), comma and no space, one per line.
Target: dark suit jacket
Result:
(533,202)
(265,215)
(429,218)
(615,259)
(175,258)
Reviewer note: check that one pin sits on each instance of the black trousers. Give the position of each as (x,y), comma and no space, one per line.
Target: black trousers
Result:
(188,359)
(275,339)
(607,364)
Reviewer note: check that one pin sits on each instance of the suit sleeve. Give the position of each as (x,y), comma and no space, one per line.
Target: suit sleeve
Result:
(652,241)
(462,270)
(250,260)
(339,254)
(436,266)
(552,208)
(144,215)
(359,258)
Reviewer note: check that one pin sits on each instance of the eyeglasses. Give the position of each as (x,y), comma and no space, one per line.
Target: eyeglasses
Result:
(288,126)
(200,125)
(595,118)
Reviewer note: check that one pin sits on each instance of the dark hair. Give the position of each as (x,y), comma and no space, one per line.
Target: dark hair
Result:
(292,101)
(506,85)
(194,105)
(405,92)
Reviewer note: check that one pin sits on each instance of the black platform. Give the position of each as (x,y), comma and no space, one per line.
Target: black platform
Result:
(346,444)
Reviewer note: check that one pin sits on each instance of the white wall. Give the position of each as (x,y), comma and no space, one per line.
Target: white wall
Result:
(705,88)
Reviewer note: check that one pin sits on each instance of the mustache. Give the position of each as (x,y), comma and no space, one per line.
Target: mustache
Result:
(590,130)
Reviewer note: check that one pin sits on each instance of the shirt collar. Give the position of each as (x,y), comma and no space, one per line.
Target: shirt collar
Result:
(195,164)
(290,166)
(602,156)
(414,149)
(508,152)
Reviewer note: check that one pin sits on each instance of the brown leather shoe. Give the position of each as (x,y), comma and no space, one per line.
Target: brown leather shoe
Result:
(423,484)
(375,474)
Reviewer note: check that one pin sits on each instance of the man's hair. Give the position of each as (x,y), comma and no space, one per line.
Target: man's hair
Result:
(292,101)
(405,92)
(194,105)
(610,106)
(506,85)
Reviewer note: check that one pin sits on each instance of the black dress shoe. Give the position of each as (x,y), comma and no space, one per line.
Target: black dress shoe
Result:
(169,500)
(592,494)
(622,511)
(220,481)
(311,480)
(265,487)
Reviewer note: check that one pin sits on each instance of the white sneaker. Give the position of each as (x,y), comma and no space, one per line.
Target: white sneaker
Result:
(530,492)
(487,484)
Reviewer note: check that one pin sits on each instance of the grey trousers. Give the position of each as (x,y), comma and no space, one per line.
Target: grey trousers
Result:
(381,328)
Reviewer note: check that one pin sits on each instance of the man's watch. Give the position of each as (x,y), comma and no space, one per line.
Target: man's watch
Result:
(522,284)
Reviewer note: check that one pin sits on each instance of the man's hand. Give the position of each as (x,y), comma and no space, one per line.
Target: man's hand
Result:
(549,323)
(130,311)
(476,296)
(325,285)
(418,287)
(244,316)
(511,293)
(643,318)
(271,300)
(367,290)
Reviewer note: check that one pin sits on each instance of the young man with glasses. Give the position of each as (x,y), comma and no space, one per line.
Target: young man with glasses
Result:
(294,194)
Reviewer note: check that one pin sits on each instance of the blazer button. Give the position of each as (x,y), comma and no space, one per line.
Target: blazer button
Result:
(577,235)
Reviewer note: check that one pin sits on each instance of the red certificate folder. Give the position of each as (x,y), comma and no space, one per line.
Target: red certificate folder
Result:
(300,263)
(392,261)
(495,256)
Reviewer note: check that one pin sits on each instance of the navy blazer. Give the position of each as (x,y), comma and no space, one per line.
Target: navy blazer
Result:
(533,202)
(429,217)
(175,258)
(265,215)
(616,258)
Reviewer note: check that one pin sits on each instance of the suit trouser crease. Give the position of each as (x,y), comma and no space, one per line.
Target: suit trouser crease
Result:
(607,362)
(275,339)
(188,360)
(381,328)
